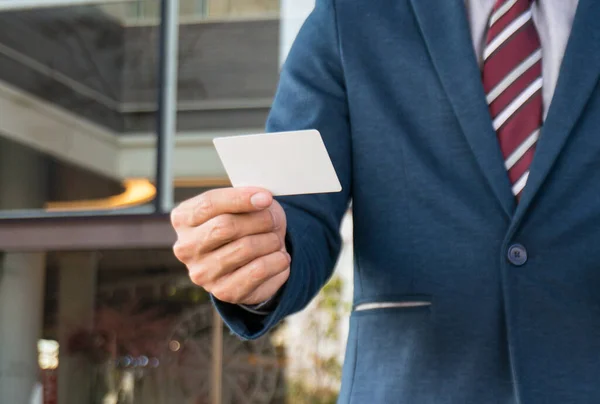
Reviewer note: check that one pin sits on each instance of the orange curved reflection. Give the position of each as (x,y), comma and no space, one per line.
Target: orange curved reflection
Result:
(137,192)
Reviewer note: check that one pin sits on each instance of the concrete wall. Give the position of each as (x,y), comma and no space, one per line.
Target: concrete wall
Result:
(69,58)
(222,66)
(234,60)
(88,63)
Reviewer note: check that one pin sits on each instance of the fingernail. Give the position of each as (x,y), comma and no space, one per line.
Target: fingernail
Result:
(260,200)
(289,257)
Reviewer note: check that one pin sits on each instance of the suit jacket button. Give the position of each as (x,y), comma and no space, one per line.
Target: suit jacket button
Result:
(517,255)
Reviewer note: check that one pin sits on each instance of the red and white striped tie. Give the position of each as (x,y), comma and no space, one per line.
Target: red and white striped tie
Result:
(512,78)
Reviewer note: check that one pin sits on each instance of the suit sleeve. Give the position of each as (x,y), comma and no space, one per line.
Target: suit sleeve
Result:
(311,95)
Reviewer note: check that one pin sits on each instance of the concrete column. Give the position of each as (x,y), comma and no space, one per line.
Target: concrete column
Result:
(76,299)
(21,305)
(22,278)
(293,15)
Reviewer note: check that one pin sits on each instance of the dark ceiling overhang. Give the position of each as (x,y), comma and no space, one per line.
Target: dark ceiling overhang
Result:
(87,232)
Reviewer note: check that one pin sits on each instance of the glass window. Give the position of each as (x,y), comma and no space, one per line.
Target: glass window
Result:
(74,83)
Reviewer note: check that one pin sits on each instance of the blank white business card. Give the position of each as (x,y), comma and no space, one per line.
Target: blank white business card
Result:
(284,163)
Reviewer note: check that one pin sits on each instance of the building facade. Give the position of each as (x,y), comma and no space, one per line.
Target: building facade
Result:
(107,114)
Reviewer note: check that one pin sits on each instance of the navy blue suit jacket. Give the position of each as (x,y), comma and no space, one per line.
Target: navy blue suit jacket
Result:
(394,88)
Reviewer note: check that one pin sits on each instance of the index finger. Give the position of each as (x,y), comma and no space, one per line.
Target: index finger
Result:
(216,202)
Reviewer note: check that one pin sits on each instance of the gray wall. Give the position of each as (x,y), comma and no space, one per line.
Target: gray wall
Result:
(117,67)
(217,61)
(82,47)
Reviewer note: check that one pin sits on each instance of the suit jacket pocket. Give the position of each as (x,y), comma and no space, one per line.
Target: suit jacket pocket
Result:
(394,348)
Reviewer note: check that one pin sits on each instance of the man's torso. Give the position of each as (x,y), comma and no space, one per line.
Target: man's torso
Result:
(435,219)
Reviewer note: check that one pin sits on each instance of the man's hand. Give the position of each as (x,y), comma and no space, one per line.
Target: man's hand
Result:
(232,242)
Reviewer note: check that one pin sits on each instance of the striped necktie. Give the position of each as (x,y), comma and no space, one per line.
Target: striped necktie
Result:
(512,78)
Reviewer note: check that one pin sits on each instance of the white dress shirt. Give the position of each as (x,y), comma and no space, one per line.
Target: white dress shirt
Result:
(553,20)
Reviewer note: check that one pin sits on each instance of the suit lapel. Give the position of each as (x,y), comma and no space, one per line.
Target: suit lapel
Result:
(578,77)
(445,28)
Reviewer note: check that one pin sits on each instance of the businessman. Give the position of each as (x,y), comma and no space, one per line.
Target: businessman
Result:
(467,135)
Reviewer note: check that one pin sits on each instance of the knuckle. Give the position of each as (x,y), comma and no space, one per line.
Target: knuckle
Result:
(223,228)
(203,207)
(181,251)
(195,278)
(242,249)
(270,243)
(199,275)
(258,270)
(248,246)
(239,199)
(220,262)
(225,294)
(285,275)
(283,260)
(177,217)
(275,241)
